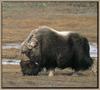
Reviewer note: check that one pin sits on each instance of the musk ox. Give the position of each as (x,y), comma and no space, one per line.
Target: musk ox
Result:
(48,48)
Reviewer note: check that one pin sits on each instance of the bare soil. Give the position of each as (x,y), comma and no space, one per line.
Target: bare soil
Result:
(19,19)
(12,77)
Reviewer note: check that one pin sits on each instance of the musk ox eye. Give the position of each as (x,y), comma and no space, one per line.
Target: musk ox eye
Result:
(36,63)
(33,44)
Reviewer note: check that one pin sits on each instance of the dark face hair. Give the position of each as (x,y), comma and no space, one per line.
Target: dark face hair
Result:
(29,67)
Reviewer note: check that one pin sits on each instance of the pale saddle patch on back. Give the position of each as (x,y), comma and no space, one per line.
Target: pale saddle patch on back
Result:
(61,33)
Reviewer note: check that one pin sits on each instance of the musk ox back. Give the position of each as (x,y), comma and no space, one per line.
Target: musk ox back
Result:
(48,48)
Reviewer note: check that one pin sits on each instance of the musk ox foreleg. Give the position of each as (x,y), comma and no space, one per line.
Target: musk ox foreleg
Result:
(51,72)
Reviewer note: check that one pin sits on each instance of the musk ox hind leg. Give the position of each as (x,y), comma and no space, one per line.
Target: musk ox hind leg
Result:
(81,56)
(76,73)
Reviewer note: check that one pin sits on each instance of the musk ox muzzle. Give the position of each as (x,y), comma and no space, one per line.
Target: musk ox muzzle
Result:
(29,67)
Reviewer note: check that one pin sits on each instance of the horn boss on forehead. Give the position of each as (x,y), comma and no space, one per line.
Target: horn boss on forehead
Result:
(33,43)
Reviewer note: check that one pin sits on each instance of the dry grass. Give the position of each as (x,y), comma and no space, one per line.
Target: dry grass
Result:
(12,77)
(10,53)
(84,25)
(20,18)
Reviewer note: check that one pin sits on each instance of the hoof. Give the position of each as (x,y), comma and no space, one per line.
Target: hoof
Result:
(51,73)
(76,74)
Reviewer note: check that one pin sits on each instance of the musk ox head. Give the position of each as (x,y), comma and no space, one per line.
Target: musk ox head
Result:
(30,56)
(29,67)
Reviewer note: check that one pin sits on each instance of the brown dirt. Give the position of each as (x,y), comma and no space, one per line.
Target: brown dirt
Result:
(80,24)
(12,77)
(11,53)
(20,18)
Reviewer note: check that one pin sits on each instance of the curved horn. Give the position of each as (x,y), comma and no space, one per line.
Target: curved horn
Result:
(23,57)
(27,45)
(20,55)
(32,44)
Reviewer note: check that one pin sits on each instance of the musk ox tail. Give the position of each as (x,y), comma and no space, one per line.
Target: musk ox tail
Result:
(81,55)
